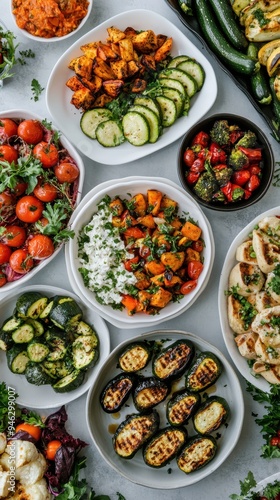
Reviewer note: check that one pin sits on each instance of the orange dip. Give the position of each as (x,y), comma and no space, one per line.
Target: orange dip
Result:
(49,18)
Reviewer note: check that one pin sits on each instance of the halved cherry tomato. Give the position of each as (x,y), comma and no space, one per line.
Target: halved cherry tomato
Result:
(3,279)
(14,236)
(188,286)
(6,199)
(197,245)
(195,268)
(197,166)
(8,127)
(133,232)
(46,153)
(52,448)
(66,172)
(202,138)
(20,188)
(31,131)
(129,263)
(20,261)
(45,191)
(189,157)
(34,430)
(40,246)
(8,153)
(29,209)
(5,253)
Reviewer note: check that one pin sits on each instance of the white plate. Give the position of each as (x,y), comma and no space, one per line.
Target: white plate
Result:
(239,361)
(22,113)
(44,396)
(67,117)
(135,469)
(135,185)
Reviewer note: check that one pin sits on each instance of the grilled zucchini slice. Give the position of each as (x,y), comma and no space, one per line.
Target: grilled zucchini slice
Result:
(211,415)
(37,326)
(84,328)
(135,357)
(17,359)
(84,351)
(133,433)
(204,372)
(149,392)
(11,324)
(197,452)
(6,340)
(116,392)
(164,446)
(172,361)
(70,382)
(35,374)
(23,334)
(37,351)
(181,407)
(65,313)
(31,304)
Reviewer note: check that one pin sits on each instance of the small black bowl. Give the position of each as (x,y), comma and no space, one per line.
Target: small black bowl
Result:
(268,161)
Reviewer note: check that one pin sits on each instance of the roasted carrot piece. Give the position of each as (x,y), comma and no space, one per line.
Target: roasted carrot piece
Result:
(191,231)
(131,304)
(154,200)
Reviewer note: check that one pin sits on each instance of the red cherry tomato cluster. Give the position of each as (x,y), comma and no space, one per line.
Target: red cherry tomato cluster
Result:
(34,207)
(216,173)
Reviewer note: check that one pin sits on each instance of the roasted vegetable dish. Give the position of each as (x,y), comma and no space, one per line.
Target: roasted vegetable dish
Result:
(154,255)
(224,163)
(130,87)
(48,340)
(38,192)
(165,418)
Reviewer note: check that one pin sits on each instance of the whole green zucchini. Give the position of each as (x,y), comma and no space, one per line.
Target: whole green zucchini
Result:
(233,58)
(228,23)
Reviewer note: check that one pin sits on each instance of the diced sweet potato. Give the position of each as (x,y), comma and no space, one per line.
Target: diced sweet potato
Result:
(160,298)
(144,298)
(160,40)
(102,100)
(94,84)
(149,62)
(116,206)
(145,41)
(120,69)
(176,223)
(83,67)
(161,241)
(168,202)
(106,52)
(117,221)
(154,201)
(173,281)
(138,86)
(132,304)
(130,32)
(147,221)
(115,34)
(192,255)
(139,204)
(90,50)
(74,83)
(113,87)
(191,231)
(83,98)
(164,50)
(126,49)
(133,67)
(102,69)
(143,281)
(158,280)
(173,260)
(154,267)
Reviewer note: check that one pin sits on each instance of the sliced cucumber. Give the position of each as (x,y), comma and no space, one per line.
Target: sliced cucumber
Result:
(177,97)
(136,128)
(176,84)
(149,103)
(177,60)
(194,69)
(168,110)
(178,74)
(109,134)
(92,118)
(152,119)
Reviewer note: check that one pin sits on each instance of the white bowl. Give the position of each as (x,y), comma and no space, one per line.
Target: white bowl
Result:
(100,423)
(33,396)
(135,185)
(228,334)
(22,113)
(54,38)
(67,118)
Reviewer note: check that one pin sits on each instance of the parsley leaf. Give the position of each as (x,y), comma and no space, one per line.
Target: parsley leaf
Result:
(28,169)
(33,418)
(56,214)
(36,89)
(7,53)
(25,54)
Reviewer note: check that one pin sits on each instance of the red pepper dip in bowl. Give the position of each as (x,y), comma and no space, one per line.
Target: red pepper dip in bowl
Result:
(225,162)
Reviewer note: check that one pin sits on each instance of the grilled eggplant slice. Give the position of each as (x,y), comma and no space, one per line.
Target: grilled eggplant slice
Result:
(148,393)
(116,392)
(135,357)
(182,406)
(172,361)
(211,415)
(204,372)
(133,432)
(164,446)
(198,451)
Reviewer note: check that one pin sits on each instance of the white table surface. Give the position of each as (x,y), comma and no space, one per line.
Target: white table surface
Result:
(202,318)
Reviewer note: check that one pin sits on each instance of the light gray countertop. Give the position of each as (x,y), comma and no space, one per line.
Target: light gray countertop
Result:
(202,318)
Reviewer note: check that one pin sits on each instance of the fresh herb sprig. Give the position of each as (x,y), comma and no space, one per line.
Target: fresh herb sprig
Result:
(36,89)
(7,53)
(270,421)
(28,169)
(56,214)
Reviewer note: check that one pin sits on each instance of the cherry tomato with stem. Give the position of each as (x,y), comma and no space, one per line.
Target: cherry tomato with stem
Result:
(188,287)
(5,253)
(194,268)
(29,209)
(40,246)
(8,127)
(34,430)
(20,261)
(52,448)
(45,191)
(66,172)
(129,263)
(8,153)
(14,236)
(47,154)
(30,131)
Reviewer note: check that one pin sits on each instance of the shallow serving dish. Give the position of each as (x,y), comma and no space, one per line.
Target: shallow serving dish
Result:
(228,335)
(67,118)
(102,425)
(21,113)
(44,396)
(133,185)
(54,38)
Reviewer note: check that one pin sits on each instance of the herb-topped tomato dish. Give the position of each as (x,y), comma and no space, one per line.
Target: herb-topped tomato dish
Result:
(39,188)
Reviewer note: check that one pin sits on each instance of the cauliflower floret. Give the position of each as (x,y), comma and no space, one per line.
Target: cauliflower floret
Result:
(4,484)
(37,491)
(22,451)
(32,472)
(3,442)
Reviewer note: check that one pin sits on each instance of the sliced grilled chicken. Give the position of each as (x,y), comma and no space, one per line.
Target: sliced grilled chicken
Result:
(267,251)
(272,375)
(269,355)
(245,253)
(270,225)
(266,324)
(272,286)
(248,278)
(236,316)
(246,344)
(264,300)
